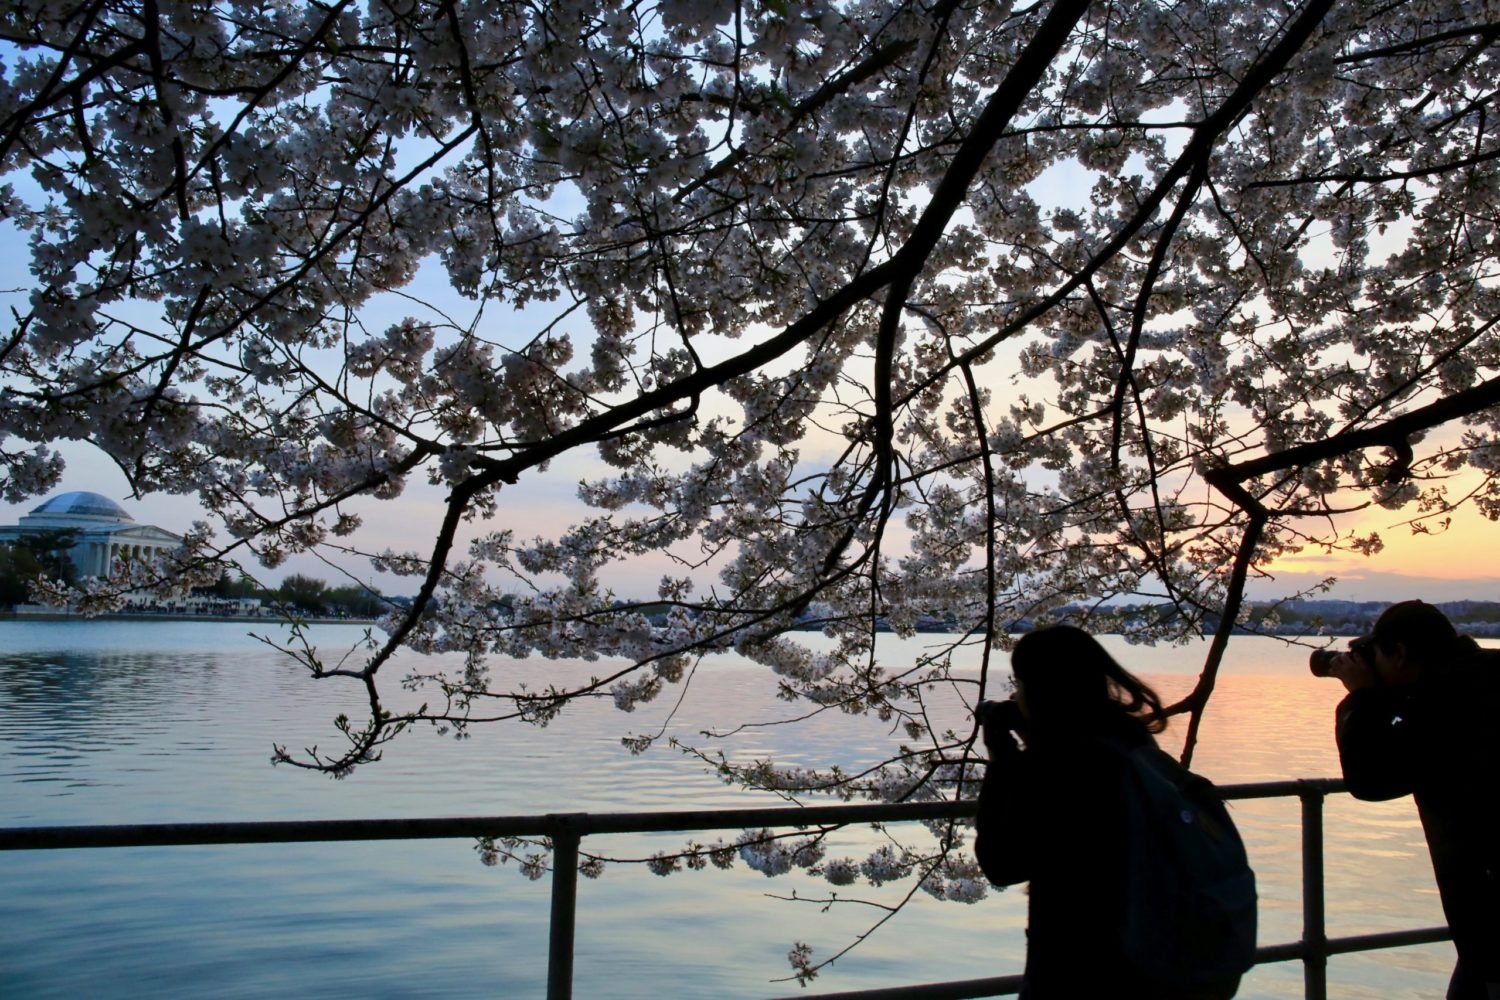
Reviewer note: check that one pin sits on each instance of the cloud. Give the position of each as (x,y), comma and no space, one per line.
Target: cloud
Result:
(1370,584)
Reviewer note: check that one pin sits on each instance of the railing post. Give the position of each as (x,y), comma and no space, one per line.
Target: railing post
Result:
(1314,930)
(565,839)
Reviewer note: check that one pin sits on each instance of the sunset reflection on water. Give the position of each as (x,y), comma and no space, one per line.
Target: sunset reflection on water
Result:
(105,723)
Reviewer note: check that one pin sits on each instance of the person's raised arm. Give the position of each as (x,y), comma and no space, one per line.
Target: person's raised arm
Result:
(1002,841)
(1375,738)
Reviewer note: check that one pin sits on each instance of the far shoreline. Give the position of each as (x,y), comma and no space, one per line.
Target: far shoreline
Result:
(1339,631)
(151,616)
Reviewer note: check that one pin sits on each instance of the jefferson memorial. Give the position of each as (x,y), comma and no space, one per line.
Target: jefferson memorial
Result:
(103,531)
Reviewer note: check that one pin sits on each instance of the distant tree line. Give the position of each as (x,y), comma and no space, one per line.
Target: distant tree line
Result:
(46,554)
(1355,617)
(303,593)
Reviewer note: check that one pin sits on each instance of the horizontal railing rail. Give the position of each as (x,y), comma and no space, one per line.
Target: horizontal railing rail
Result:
(566,831)
(582,824)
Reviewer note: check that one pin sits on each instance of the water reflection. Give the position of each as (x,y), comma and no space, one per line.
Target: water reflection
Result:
(96,681)
(108,724)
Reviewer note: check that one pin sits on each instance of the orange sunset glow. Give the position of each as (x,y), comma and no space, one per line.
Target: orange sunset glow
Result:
(1464,551)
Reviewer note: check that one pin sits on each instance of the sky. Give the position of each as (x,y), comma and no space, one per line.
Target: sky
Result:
(1457,564)
(407,524)
(1453,565)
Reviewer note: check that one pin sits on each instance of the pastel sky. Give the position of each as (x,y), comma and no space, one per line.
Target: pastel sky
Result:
(1456,564)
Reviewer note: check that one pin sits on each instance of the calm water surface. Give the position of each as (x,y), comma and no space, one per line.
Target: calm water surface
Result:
(123,722)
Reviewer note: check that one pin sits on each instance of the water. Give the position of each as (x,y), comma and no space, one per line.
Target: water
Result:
(121,722)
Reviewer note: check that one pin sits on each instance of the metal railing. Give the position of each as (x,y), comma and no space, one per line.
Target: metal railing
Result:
(567,830)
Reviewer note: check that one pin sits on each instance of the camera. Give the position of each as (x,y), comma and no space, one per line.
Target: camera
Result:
(1320,662)
(1004,714)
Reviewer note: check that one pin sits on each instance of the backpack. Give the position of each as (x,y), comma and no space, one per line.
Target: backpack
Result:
(1190,908)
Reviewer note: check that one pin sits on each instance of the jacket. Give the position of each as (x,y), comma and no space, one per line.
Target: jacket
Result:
(1437,741)
(1055,816)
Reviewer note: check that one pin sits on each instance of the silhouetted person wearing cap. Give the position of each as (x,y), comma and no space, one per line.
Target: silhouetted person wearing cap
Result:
(1422,717)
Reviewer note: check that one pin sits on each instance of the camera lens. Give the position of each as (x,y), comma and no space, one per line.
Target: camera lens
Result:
(1320,662)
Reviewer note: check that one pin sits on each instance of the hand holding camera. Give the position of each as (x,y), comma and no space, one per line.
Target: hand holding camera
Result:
(1355,667)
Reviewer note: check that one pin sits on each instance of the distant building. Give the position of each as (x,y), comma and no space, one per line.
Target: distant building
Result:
(102,531)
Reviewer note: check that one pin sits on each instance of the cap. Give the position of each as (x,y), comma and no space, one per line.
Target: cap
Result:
(1417,625)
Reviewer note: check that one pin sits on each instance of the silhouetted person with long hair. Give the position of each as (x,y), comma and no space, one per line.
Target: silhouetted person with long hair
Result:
(1055,812)
(1422,718)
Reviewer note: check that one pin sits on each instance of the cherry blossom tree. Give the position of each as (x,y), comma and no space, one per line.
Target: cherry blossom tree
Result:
(866,310)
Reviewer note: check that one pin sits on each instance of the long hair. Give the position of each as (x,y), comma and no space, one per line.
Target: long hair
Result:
(1069,679)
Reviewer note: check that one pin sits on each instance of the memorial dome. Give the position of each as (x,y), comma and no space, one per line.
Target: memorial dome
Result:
(99,534)
(81,506)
